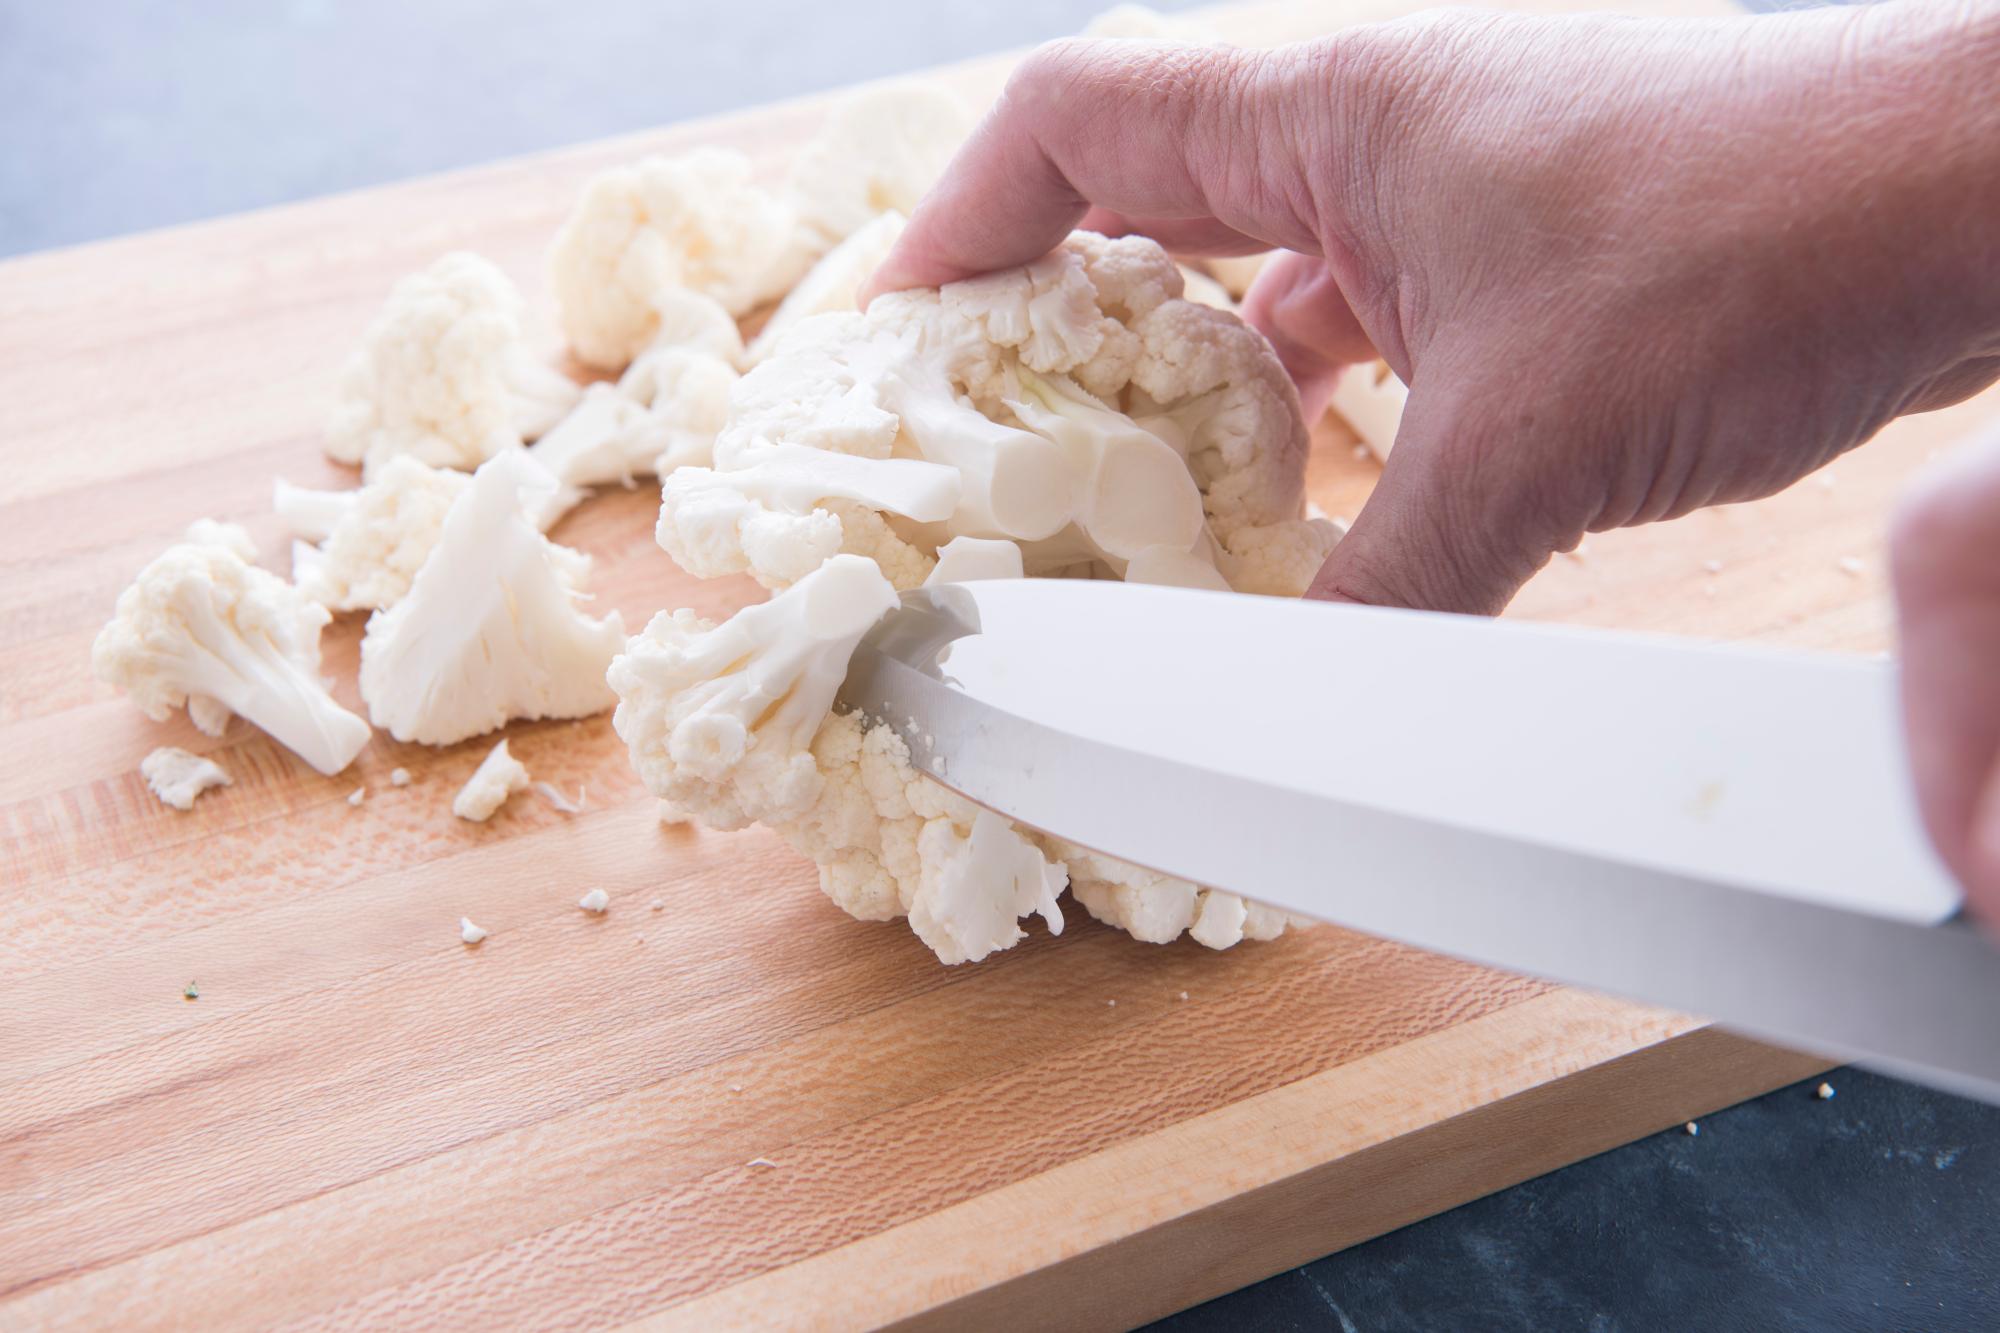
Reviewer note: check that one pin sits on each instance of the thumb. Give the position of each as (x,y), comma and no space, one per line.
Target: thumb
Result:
(1298,306)
(1463,516)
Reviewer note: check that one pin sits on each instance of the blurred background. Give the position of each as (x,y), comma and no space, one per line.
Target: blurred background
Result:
(121,115)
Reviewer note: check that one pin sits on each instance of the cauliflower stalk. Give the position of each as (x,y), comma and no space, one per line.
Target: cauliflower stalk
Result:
(489,629)
(447,373)
(204,628)
(1088,412)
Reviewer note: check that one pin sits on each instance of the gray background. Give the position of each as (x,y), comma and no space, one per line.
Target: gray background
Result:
(1874,1210)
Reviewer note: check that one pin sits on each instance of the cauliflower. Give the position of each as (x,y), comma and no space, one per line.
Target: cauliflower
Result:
(718,718)
(1088,412)
(498,776)
(177,777)
(1140,22)
(1370,400)
(372,540)
(1204,290)
(881,149)
(201,626)
(646,236)
(833,284)
(447,373)
(662,414)
(963,559)
(1158,908)
(489,629)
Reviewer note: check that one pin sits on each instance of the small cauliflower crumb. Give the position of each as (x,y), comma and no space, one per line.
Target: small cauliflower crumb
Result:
(764,1162)
(1825,480)
(1361,453)
(1851,566)
(1824,1092)
(1691,1129)
(1183,995)
(470,933)
(658,905)
(399,777)
(177,777)
(597,900)
(190,992)
(498,776)
(1712,566)
(1113,1004)
(357,796)
(736,1087)
(549,792)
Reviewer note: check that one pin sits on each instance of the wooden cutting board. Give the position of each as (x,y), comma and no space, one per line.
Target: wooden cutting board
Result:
(363,1122)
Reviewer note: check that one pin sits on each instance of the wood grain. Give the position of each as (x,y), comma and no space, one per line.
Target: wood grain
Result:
(364,1122)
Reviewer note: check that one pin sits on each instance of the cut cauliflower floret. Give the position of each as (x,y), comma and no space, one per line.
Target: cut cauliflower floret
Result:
(1089,412)
(719,718)
(1370,399)
(447,373)
(881,149)
(1159,908)
(646,234)
(832,286)
(489,629)
(661,415)
(498,776)
(201,626)
(177,777)
(373,540)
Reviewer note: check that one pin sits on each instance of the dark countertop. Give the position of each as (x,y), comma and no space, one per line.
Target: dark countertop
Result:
(1875,1210)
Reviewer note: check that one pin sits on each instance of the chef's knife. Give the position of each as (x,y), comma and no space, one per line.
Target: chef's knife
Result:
(1720,829)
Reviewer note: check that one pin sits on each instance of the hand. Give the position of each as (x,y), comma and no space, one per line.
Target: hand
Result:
(1945,564)
(1628,268)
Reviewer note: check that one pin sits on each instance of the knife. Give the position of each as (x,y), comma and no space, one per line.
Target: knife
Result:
(1721,829)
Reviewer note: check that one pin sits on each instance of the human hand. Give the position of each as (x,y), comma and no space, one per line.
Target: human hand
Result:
(1627,268)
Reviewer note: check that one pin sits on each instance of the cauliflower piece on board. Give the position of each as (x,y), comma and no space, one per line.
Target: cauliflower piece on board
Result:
(177,777)
(645,235)
(447,373)
(662,414)
(1089,412)
(489,630)
(719,718)
(1370,399)
(1159,908)
(201,626)
(881,149)
(372,541)
(498,776)
(833,285)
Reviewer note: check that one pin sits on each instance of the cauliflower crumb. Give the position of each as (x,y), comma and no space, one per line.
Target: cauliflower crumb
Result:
(763,1162)
(1691,1129)
(498,776)
(658,905)
(1825,480)
(357,796)
(1712,566)
(1111,1004)
(1851,566)
(550,793)
(596,901)
(470,933)
(1183,995)
(177,777)
(1824,1092)
(399,777)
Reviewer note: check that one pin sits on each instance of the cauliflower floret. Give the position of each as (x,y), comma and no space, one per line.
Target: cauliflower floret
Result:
(1370,399)
(498,776)
(1139,22)
(372,540)
(177,777)
(201,626)
(881,149)
(1089,412)
(646,234)
(1200,288)
(964,559)
(661,415)
(489,629)
(1159,908)
(833,285)
(447,373)
(719,718)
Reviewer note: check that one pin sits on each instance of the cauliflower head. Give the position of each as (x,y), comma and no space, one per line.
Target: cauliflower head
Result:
(645,237)
(881,148)
(489,630)
(204,628)
(447,373)
(1087,411)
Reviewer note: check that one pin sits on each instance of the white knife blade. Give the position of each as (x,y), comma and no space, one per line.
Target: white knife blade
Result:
(1720,829)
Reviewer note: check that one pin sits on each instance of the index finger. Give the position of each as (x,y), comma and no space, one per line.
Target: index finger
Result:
(1141,129)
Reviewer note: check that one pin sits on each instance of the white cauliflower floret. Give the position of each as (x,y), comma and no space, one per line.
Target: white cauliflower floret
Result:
(372,541)
(661,415)
(1089,412)
(964,559)
(644,235)
(833,285)
(881,149)
(201,626)
(447,373)
(1159,908)
(719,718)
(498,776)
(1370,399)
(489,629)
(1141,23)
(177,777)
(1200,288)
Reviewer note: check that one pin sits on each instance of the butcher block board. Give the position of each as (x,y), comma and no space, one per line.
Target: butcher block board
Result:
(737,1107)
